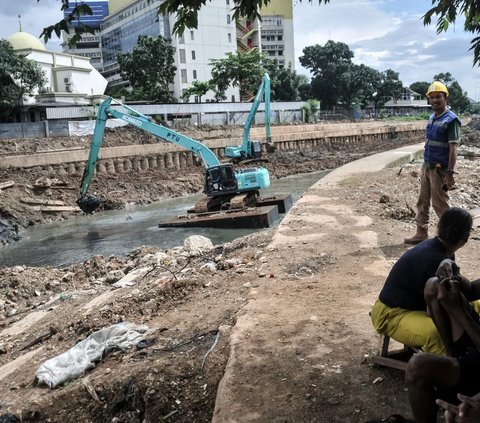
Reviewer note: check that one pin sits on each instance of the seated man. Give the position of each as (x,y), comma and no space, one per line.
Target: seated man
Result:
(456,376)
(401,311)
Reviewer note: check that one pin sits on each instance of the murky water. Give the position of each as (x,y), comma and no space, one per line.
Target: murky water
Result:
(119,232)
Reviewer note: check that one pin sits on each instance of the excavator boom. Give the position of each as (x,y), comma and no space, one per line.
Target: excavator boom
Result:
(253,149)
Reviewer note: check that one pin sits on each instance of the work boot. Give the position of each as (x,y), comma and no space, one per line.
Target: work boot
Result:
(421,235)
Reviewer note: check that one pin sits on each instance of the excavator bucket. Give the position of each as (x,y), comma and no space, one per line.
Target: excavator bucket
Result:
(89,203)
(270,147)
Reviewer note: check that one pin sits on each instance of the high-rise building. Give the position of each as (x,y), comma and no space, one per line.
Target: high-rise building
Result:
(214,38)
(90,44)
(99,11)
(277,32)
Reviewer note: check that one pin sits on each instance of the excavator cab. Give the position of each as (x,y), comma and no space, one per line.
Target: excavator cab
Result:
(220,180)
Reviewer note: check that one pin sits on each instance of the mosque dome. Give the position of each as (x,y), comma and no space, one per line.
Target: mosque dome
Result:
(25,41)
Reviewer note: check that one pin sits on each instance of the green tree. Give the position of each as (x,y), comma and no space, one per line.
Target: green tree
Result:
(390,87)
(447,11)
(244,70)
(358,84)
(310,110)
(149,68)
(119,92)
(197,88)
(304,88)
(420,87)
(285,83)
(328,65)
(18,76)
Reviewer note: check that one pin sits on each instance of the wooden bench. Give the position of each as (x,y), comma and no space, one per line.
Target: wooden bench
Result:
(396,359)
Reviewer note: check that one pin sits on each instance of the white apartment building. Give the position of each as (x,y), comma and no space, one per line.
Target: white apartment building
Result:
(214,38)
(120,22)
(277,32)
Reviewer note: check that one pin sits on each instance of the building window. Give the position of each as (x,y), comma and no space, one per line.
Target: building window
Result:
(233,99)
(182,56)
(192,35)
(183,76)
(280,52)
(228,19)
(228,2)
(229,37)
(280,37)
(194,74)
(193,54)
(181,39)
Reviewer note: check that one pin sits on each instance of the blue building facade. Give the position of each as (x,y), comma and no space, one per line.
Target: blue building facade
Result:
(99,11)
(121,30)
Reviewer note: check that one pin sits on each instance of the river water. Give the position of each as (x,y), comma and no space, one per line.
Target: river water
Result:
(118,232)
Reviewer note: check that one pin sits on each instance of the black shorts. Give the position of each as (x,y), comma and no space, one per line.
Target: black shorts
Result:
(469,358)
(469,382)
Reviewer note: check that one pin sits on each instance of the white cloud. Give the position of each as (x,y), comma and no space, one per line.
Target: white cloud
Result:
(34,17)
(383,38)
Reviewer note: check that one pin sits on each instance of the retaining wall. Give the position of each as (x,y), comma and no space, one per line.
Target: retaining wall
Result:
(169,156)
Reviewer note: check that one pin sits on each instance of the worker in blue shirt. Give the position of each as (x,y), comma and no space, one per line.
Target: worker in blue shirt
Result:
(440,158)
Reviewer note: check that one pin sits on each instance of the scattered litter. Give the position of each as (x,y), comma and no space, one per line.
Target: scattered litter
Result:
(90,389)
(304,273)
(169,414)
(84,355)
(209,351)
(378,380)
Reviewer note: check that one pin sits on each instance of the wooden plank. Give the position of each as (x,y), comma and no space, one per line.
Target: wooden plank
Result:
(6,184)
(40,202)
(389,362)
(55,209)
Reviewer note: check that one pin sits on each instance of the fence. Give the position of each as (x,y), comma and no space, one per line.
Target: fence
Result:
(46,128)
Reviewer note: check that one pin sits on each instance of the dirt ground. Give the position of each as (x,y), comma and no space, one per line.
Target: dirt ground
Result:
(192,299)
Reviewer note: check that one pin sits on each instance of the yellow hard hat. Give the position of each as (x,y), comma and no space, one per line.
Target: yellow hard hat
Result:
(437,86)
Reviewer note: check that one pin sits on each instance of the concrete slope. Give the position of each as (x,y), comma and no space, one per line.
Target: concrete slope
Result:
(306,323)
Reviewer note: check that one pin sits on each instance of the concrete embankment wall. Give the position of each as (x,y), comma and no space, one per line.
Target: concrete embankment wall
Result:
(165,155)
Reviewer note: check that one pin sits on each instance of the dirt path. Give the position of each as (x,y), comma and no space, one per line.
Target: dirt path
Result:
(303,311)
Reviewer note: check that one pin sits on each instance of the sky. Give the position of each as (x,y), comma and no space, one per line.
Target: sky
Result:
(383,34)
(389,34)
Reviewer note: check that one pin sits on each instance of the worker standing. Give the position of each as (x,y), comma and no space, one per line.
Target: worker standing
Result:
(440,157)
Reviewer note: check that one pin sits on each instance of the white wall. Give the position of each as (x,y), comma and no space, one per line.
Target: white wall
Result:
(85,79)
(210,41)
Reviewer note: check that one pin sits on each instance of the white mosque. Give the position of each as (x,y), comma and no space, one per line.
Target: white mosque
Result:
(71,80)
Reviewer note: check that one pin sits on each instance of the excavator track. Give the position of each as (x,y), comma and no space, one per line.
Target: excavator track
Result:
(240,201)
(226,202)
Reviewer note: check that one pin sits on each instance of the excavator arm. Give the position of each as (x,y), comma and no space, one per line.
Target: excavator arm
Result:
(253,149)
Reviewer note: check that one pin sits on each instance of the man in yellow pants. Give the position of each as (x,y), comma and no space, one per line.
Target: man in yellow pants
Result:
(401,311)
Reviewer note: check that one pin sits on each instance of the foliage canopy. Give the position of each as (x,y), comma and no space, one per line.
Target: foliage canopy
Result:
(149,68)
(18,76)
